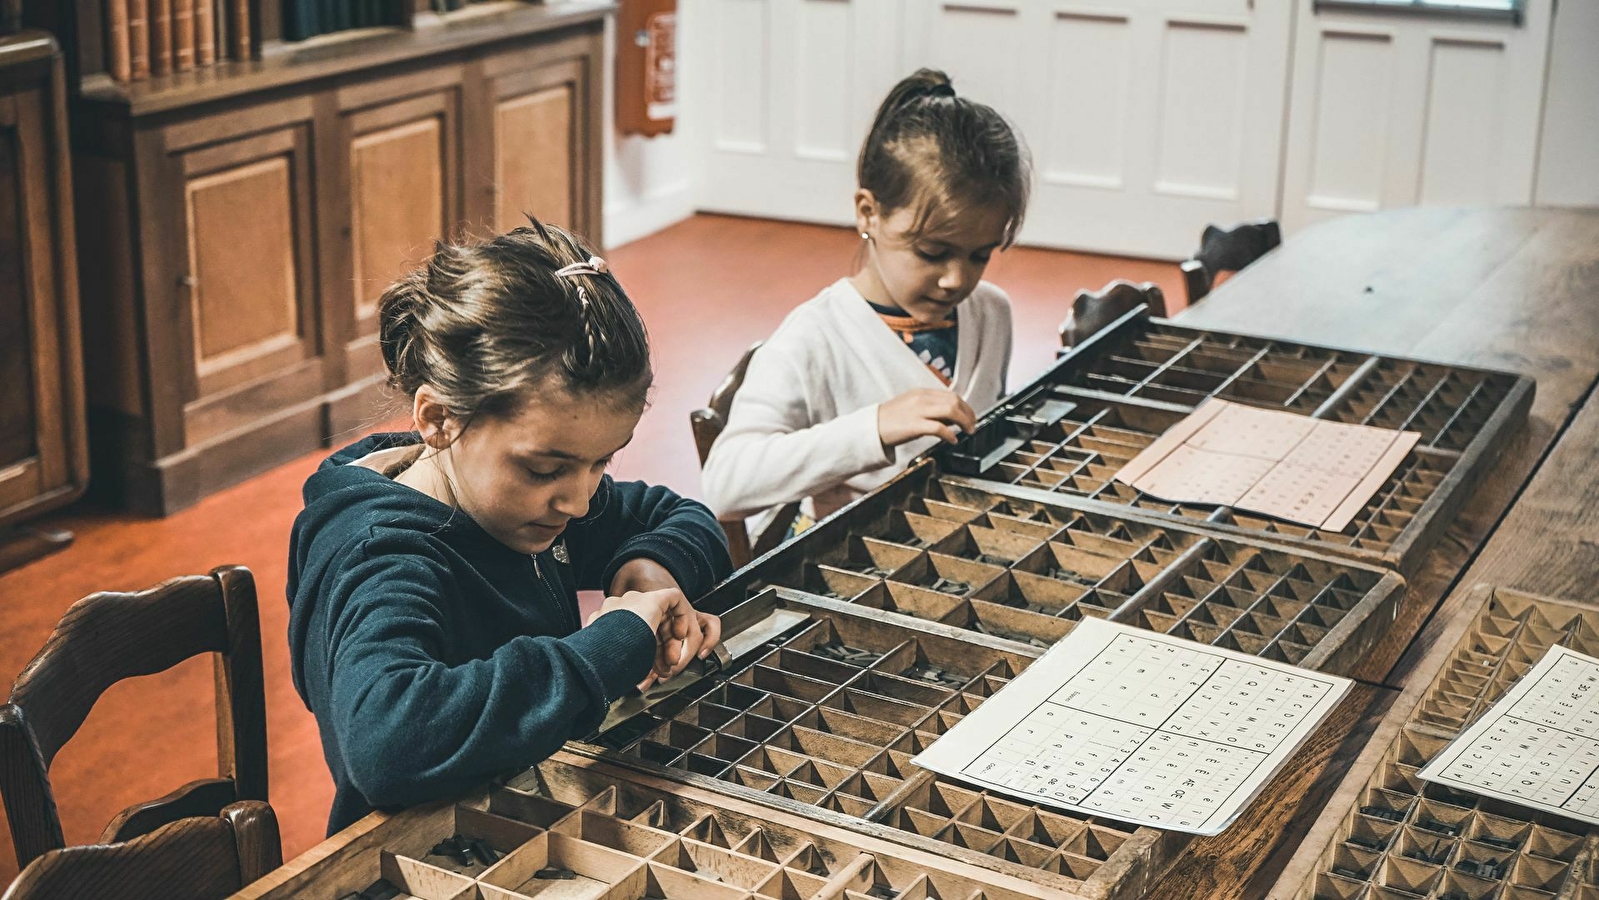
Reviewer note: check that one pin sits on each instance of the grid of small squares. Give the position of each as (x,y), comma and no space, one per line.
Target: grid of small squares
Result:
(1081,454)
(1027,572)
(1179,365)
(831,719)
(581,836)
(1407,838)
(1448,405)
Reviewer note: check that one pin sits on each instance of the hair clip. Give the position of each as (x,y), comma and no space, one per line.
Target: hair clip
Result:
(594,266)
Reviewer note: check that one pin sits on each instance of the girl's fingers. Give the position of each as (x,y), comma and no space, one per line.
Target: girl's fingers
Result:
(711,629)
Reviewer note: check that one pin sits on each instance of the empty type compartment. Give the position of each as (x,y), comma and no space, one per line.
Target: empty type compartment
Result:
(1409,838)
(832,716)
(1030,589)
(608,838)
(1141,381)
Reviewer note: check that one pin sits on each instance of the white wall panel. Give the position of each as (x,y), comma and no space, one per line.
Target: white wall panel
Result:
(1090,74)
(1202,99)
(742,74)
(1349,137)
(1463,143)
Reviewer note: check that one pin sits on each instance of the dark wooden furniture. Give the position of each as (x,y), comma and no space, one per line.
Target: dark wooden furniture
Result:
(1093,311)
(708,423)
(1227,250)
(237,224)
(44,461)
(194,858)
(107,637)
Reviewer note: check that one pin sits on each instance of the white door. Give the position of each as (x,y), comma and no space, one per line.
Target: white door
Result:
(1147,119)
(1401,109)
(780,94)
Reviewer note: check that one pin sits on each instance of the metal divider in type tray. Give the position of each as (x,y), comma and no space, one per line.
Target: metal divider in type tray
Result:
(1067,433)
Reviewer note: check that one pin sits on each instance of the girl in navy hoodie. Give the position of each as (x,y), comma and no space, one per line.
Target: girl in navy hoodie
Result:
(433,574)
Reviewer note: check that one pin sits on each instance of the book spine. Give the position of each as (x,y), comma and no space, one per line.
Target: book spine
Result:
(239,24)
(117,47)
(138,39)
(205,32)
(160,37)
(182,35)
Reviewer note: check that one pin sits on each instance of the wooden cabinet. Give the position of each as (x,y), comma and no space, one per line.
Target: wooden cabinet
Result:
(43,461)
(243,226)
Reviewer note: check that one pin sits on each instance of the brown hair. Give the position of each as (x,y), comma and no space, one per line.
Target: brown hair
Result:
(485,322)
(943,155)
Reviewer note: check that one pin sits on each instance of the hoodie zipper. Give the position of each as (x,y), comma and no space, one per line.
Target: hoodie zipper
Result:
(556,596)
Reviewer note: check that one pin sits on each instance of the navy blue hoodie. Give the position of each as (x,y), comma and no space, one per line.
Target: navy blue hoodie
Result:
(434,657)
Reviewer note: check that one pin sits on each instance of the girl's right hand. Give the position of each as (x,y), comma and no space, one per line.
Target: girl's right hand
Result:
(674,621)
(924,412)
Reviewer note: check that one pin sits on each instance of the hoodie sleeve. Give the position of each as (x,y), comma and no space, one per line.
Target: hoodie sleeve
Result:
(414,728)
(631,519)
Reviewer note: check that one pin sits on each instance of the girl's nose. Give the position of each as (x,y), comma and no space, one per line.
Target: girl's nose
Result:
(957,277)
(572,500)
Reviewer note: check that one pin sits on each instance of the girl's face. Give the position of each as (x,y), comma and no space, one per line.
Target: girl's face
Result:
(926,275)
(523,477)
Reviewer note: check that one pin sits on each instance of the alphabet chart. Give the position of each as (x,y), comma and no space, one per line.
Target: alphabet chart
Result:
(1539,745)
(1311,471)
(1124,723)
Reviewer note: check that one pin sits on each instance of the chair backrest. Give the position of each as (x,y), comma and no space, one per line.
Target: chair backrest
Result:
(708,424)
(194,858)
(1092,311)
(107,637)
(1227,250)
(709,421)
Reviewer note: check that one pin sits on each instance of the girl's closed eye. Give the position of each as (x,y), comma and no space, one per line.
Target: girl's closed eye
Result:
(536,475)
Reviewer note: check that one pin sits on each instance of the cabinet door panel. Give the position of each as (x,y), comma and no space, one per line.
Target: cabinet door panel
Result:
(533,158)
(248,276)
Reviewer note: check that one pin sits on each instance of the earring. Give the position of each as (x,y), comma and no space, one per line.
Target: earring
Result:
(865,236)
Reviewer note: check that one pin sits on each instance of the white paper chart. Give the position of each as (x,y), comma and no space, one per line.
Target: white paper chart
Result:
(1311,471)
(1120,722)
(1539,745)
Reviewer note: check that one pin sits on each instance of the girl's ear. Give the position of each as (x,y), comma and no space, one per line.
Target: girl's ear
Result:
(865,212)
(432,418)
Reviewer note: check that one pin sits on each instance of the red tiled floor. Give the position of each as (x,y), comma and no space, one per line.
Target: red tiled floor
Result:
(707,287)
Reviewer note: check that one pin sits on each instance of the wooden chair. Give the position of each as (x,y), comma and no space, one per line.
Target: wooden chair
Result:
(194,858)
(708,424)
(1093,311)
(109,636)
(1227,250)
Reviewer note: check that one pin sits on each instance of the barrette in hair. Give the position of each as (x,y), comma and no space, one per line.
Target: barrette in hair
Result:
(594,266)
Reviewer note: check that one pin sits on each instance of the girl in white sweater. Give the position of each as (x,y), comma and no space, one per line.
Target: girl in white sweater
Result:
(880,366)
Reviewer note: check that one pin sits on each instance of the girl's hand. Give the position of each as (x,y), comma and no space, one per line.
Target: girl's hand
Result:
(682,635)
(924,412)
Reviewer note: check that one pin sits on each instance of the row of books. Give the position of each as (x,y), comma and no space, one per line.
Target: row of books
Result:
(158,37)
(309,18)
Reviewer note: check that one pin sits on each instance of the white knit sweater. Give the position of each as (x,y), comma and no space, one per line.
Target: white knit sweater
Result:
(804,423)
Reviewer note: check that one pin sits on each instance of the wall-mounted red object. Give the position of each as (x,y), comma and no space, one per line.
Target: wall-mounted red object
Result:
(646,67)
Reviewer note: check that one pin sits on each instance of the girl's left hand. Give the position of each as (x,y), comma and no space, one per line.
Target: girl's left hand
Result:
(685,633)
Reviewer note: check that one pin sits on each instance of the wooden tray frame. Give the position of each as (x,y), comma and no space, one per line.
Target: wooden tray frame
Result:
(1404,553)
(1426,712)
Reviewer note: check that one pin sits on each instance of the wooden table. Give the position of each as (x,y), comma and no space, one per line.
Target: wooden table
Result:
(1515,289)
(1505,288)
